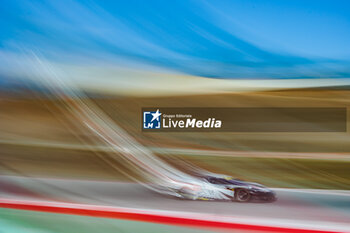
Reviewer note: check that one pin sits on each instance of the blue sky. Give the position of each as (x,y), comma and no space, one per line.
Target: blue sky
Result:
(216,39)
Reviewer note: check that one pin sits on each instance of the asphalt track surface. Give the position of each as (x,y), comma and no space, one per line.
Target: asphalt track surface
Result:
(319,207)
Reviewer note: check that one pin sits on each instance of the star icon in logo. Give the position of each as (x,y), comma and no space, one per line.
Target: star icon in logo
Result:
(156,115)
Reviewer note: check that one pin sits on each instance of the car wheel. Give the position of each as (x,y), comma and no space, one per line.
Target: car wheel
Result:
(242,195)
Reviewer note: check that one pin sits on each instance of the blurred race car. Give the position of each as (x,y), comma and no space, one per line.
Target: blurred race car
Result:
(218,187)
(243,191)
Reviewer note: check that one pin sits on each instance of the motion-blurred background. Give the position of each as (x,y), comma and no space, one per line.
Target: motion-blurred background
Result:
(125,55)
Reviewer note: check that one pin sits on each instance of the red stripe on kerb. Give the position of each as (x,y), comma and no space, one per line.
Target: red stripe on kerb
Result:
(129,214)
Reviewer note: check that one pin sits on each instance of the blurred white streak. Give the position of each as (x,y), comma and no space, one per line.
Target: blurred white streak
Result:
(157,174)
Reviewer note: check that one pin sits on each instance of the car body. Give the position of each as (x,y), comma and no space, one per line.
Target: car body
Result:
(194,189)
(243,191)
(217,187)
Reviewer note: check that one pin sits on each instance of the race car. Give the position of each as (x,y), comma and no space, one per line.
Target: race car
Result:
(243,191)
(218,187)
